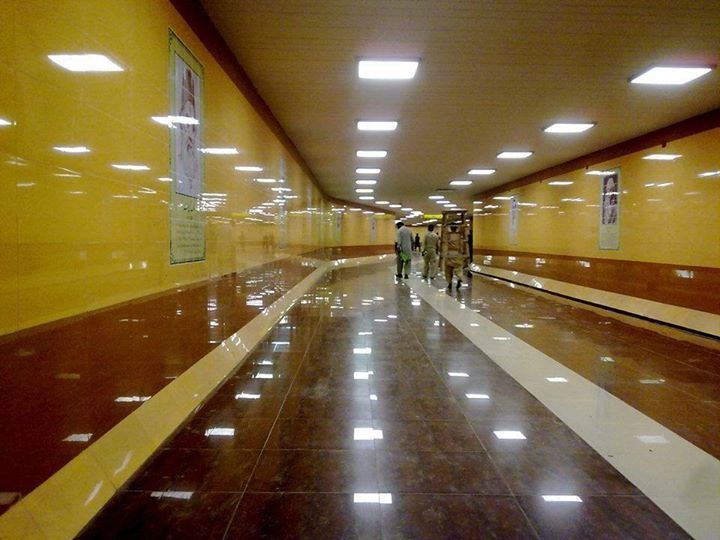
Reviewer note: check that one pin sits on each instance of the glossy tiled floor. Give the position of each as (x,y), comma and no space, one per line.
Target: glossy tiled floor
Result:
(367,415)
(67,383)
(675,382)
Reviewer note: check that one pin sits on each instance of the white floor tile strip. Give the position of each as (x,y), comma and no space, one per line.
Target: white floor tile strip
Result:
(676,475)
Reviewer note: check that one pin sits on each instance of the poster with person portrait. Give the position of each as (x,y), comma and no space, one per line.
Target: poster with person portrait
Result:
(187,221)
(514,215)
(609,230)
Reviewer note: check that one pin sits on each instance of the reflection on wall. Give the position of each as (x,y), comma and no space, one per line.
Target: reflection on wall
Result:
(669,208)
(85,166)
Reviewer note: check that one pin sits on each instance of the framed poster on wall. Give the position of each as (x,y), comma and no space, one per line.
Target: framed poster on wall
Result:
(514,215)
(609,230)
(187,221)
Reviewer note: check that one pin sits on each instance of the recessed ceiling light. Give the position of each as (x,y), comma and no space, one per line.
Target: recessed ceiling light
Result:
(483,172)
(365,125)
(364,190)
(406,209)
(450,205)
(382,202)
(563,127)
(220,151)
(460,182)
(366,182)
(367,198)
(371,153)
(663,157)
(85,62)
(477,202)
(436,197)
(366,170)
(355,209)
(442,201)
(502,198)
(709,173)
(368,212)
(560,183)
(248,168)
(128,167)
(395,205)
(387,69)
(4,122)
(514,155)
(266,180)
(600,173)
(72,149)
(670,75)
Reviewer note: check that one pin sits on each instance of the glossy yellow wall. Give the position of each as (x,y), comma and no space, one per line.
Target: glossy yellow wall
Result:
(677,221)
(77,234)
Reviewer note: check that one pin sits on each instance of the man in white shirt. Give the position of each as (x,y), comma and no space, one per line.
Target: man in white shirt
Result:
(403,248)
(430,253)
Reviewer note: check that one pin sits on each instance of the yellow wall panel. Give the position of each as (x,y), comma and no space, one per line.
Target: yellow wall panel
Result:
(668,212)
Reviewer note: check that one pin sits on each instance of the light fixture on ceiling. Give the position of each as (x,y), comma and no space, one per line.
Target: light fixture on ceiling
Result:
(395,205)
(364,190)
(709,173)
(560,183)
(662,157)
(460,182)
(568,127)
(382,202)
(85,62)
(385,125)
(248,168)
(367,198)
(406,209)
(366,182)
(266,180)
(371,153)
(170,121)
(502,198)
(671,75)
(435,197)
(599,173)
(481,172)
(4,122)
(387,69)
(514,154)
(367,170)
(72,149)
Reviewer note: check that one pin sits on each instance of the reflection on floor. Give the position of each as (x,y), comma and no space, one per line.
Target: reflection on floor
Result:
(377,419)
(67,383)
(347,252)
(677,383)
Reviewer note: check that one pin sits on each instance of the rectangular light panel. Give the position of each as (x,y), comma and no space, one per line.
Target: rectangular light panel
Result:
(663,157)
(85,62)
(670,75)
(461,182)
(248,168)
(514,155)
(365,125)
(568,127)
(367,170)
(387,69)
(481,172)
(371,153)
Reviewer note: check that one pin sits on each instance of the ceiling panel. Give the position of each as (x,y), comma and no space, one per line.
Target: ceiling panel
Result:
(492,75)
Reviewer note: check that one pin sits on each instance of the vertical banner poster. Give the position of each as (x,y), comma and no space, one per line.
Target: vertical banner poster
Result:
(373,229)
(514,210)
(282,217)
(338,226)
(609,230)
(187,222)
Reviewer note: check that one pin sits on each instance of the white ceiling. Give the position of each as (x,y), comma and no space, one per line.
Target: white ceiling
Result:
(492,75)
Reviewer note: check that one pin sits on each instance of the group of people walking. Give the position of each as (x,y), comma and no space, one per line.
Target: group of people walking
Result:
(454,253)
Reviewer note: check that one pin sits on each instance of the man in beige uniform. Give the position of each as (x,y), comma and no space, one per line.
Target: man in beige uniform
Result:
(454,256)
(430,253)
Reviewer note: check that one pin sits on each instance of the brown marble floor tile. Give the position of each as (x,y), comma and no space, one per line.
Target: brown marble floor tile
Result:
(328,471)
(539,471)
(601,517)
(427,436)
(329,407)
(291,516)
(421,407)
(242,401)
(180,469)
(204,432)
(430,517)
(413,471)
(142,515)
(318,434)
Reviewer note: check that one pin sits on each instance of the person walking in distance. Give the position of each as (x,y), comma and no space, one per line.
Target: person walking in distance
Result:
(454,256)
(430,252)
(403,246)
(416,242)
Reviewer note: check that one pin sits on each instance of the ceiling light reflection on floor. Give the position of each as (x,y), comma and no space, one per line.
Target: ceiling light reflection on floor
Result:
(510,435)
